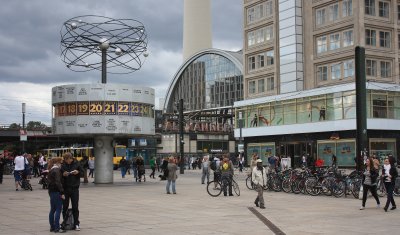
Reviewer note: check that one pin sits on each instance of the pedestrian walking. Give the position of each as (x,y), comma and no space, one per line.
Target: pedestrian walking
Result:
(91,166)
(369,182)
(85,165)
(134,169)
(71,170)
(171,176)
(2,164)
(141,168)
(259,179)
(206,170)
(153,167)
(389,173)
(56,194)
(122,167)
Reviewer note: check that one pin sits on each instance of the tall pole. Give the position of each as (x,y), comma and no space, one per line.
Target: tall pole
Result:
(361,111)
(181,141)
(104,66)
(23,124)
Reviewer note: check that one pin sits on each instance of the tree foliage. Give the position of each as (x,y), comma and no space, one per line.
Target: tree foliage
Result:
(35,125)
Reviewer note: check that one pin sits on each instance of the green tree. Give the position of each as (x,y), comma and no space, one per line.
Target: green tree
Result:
(15,126)
(35,125)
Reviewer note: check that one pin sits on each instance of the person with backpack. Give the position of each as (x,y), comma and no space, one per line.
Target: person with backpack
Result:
(389,173)
(227,175)
(56,193)
(259,179)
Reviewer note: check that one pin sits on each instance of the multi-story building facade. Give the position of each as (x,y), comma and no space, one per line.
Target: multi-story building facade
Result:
(299,77)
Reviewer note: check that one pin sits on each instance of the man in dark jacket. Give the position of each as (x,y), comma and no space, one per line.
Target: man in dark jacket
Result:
(71,170)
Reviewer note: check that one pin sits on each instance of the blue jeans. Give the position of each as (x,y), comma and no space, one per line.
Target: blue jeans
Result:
(123,172)
(173,186)
(55,210)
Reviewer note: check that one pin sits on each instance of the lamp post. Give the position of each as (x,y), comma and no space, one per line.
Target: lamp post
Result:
(23,124)
(181,140)
(240,122)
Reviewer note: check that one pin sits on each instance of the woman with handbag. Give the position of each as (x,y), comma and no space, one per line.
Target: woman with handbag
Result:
(369,182)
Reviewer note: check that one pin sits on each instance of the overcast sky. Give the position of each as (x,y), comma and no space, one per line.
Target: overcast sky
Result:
(30,63)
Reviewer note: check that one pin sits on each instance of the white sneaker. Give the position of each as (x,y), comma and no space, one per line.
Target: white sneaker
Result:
(362,208)
(77,228)
(378,206)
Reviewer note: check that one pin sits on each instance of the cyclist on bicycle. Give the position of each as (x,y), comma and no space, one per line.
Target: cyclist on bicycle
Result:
(227,174)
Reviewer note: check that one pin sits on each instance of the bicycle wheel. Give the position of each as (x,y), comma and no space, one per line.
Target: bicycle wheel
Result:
(249,184)
(214,188)
(311,187)
(338,188)
(236,187)
(356,188)
(286,186)
(295,187)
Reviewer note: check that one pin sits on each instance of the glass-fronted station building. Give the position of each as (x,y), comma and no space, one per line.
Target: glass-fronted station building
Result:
(209,83)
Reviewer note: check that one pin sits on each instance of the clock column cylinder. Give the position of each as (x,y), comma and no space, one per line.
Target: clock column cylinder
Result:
(103,161)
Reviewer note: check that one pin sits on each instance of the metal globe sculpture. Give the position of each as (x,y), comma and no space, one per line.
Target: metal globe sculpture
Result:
(91,42)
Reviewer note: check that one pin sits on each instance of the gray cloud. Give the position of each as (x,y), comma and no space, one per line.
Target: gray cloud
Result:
(30,41)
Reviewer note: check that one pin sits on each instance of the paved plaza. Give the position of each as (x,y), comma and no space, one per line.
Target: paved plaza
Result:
(127,207)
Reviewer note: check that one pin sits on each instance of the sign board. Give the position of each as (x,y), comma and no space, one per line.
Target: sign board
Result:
(23,135)
(240,148)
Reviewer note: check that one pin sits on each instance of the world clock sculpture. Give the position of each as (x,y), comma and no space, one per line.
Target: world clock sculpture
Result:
(100,110)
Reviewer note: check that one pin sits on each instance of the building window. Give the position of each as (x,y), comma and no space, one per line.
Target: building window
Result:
(334,12)
(335,71)
(348,68)
(260,60)
(334,41)
(398,12)
(252,63)
(268,9)
(347,8)
(384,39)
(251,40)
(261,86)
(250,15)
(270,84)
(386,70)
(370,7)
(321,44)
(370,37)
(384,9)
(270,58)
(371,68)
(348,39)
(252,87)
(320,17)
(269,33)
(322,73)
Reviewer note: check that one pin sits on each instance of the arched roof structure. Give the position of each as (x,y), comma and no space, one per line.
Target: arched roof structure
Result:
(211,78)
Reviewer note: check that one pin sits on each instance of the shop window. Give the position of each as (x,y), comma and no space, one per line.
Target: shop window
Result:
(264,116)
(289,113)
(277,114)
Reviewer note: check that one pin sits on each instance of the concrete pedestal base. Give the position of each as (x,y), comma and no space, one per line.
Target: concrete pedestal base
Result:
(103,152)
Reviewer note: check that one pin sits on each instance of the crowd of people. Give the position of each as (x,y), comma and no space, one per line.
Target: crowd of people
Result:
(64,175)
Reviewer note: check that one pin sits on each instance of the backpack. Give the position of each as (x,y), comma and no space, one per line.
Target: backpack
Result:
(213,165)
(68,223)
